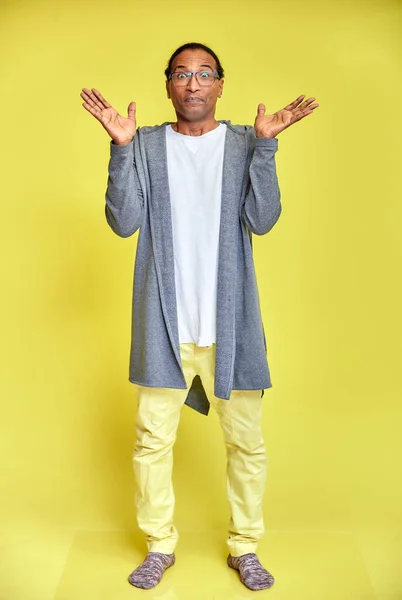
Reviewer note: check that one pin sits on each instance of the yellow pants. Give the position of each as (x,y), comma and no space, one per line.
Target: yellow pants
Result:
(157,420)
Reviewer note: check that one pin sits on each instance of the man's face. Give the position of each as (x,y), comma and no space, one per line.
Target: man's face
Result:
(194,102)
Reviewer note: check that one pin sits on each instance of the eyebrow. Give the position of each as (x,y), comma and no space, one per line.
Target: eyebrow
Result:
(184,67)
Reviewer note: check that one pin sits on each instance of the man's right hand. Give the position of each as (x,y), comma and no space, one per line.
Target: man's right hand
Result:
(121,130)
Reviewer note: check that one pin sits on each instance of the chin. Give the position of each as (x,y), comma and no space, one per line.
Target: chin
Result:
(195,115)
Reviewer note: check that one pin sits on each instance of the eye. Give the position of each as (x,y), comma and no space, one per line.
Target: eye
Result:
(205,74)
(181,75)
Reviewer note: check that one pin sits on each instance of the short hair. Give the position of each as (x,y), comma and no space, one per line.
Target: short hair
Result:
(195,46)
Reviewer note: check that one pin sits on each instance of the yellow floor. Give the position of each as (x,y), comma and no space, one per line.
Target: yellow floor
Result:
(322,565)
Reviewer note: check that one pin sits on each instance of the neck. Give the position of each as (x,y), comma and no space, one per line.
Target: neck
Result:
(195,129)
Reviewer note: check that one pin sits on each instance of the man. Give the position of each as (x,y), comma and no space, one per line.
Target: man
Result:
(197,189)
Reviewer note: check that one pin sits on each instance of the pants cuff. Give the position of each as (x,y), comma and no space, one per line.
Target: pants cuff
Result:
(167,547)
(240,549)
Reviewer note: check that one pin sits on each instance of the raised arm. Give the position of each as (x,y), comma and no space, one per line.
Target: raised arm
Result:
(262,205)
(124,198)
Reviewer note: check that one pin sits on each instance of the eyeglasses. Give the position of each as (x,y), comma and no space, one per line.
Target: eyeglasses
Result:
(183,78)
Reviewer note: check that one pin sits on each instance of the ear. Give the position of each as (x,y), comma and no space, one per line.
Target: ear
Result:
(167,89)
(220,84)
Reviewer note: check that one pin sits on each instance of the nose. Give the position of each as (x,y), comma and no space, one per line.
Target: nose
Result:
(193,84)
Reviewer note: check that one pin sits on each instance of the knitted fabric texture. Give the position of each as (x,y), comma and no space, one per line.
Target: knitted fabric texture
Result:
(151,570)
(252,573)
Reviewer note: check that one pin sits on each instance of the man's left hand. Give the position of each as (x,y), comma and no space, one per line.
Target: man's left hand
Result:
(270,125)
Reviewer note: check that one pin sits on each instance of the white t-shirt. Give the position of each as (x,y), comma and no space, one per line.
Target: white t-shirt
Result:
(195,182)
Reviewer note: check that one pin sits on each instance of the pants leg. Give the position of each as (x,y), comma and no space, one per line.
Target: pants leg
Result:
(240,419)
(157,420)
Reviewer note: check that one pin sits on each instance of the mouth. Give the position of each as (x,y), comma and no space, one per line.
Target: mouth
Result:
(193,100)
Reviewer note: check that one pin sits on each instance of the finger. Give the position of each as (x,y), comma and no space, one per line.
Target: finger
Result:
(306,103)
(303,113)
(132,107)
(93,110)
(95,98)
(261,110)
(86,95)
(309,109)
(91,99)
(293,104)
(101,98)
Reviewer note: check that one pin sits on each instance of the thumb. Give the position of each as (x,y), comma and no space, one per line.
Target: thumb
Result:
(261,110)
(131,110)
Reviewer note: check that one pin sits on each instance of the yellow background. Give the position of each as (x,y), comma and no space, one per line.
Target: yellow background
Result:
(329,281)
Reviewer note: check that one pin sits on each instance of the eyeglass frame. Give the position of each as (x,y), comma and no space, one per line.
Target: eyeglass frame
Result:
(195,73)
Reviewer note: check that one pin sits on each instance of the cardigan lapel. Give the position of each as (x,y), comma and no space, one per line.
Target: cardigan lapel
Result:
(232,189)
(162,239)
(161,228)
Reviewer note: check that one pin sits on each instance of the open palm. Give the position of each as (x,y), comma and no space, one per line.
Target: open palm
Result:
(121,129)
(271,125)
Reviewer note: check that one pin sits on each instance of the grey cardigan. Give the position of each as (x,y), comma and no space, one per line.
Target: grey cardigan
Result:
(137,197)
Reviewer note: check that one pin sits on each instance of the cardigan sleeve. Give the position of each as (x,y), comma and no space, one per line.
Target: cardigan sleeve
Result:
(124,206)
(262,204)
